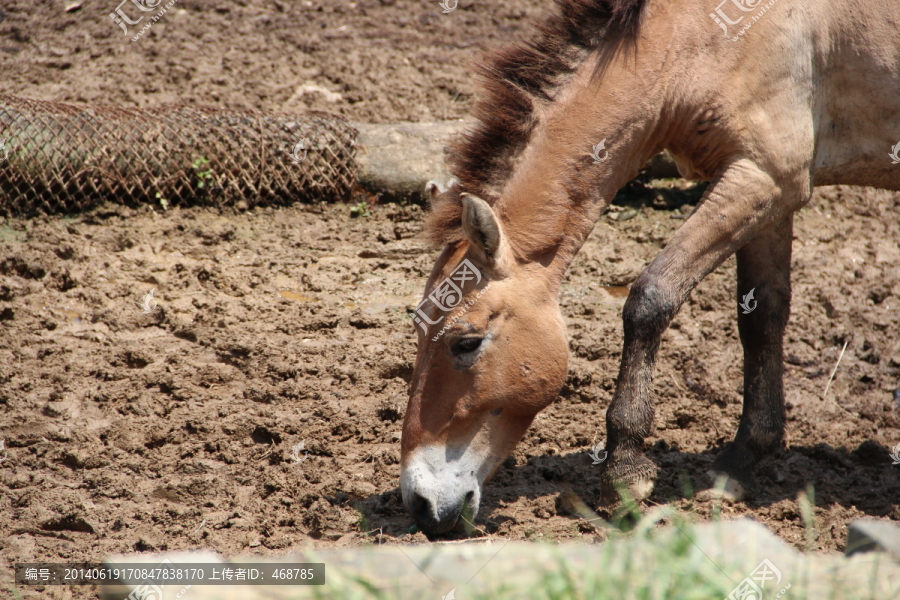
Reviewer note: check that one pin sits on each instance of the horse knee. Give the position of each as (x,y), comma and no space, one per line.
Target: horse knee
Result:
(650,308)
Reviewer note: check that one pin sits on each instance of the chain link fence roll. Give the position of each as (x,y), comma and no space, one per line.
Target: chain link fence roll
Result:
(63,158)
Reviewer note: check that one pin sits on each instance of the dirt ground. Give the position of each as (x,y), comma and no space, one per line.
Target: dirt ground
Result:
(257,407)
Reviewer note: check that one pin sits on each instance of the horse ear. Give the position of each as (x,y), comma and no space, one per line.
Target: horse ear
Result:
(481,226)
(432,191)
(435,187)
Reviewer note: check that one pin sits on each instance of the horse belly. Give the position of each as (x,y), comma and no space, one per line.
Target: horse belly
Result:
(857,109)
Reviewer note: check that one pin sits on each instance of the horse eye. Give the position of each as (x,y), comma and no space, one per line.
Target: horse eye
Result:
(465,345)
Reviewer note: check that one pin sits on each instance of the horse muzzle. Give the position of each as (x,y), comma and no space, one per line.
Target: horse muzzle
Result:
(437,491)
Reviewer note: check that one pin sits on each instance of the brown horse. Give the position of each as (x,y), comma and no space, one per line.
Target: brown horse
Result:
(794,94)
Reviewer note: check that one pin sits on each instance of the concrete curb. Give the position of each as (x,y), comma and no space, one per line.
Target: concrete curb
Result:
(728,553)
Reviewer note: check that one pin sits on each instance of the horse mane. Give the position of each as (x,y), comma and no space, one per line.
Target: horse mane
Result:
(514,82)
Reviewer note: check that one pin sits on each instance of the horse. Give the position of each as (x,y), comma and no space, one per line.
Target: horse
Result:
(764,101)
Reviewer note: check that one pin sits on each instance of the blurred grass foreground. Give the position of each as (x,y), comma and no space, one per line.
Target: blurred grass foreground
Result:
(733,560)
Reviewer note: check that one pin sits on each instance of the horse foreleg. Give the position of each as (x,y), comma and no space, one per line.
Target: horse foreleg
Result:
(764,267)
(740,205)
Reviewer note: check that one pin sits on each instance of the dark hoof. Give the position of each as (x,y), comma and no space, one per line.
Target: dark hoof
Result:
(634,477)
(737,470)
(726,486)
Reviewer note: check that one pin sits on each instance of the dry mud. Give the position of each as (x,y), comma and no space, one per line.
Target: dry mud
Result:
(258,406)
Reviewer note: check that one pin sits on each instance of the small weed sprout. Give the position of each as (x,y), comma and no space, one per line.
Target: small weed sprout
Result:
(359,210)
(362,522)
(806,500)
(202,171)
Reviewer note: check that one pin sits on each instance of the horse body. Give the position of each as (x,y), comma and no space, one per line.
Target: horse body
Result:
(808,95)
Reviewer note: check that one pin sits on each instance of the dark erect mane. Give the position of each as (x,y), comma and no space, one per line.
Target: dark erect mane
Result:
(516,80)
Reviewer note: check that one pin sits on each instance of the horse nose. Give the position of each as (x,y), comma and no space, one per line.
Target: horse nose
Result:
(423,512)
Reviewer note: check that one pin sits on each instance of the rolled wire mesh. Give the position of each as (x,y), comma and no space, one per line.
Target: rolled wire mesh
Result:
(63,158)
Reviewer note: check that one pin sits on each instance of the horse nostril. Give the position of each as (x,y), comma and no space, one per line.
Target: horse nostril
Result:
(420,509)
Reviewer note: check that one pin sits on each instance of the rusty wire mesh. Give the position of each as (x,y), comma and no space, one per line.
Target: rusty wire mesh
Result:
(63,158)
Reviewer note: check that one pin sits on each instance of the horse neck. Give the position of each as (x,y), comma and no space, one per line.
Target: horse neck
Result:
(559,189)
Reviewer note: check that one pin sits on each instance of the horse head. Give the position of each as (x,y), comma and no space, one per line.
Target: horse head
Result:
(492,353)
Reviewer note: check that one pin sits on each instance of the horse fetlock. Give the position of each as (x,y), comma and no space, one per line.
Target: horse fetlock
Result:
(758,436)
(765,440)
